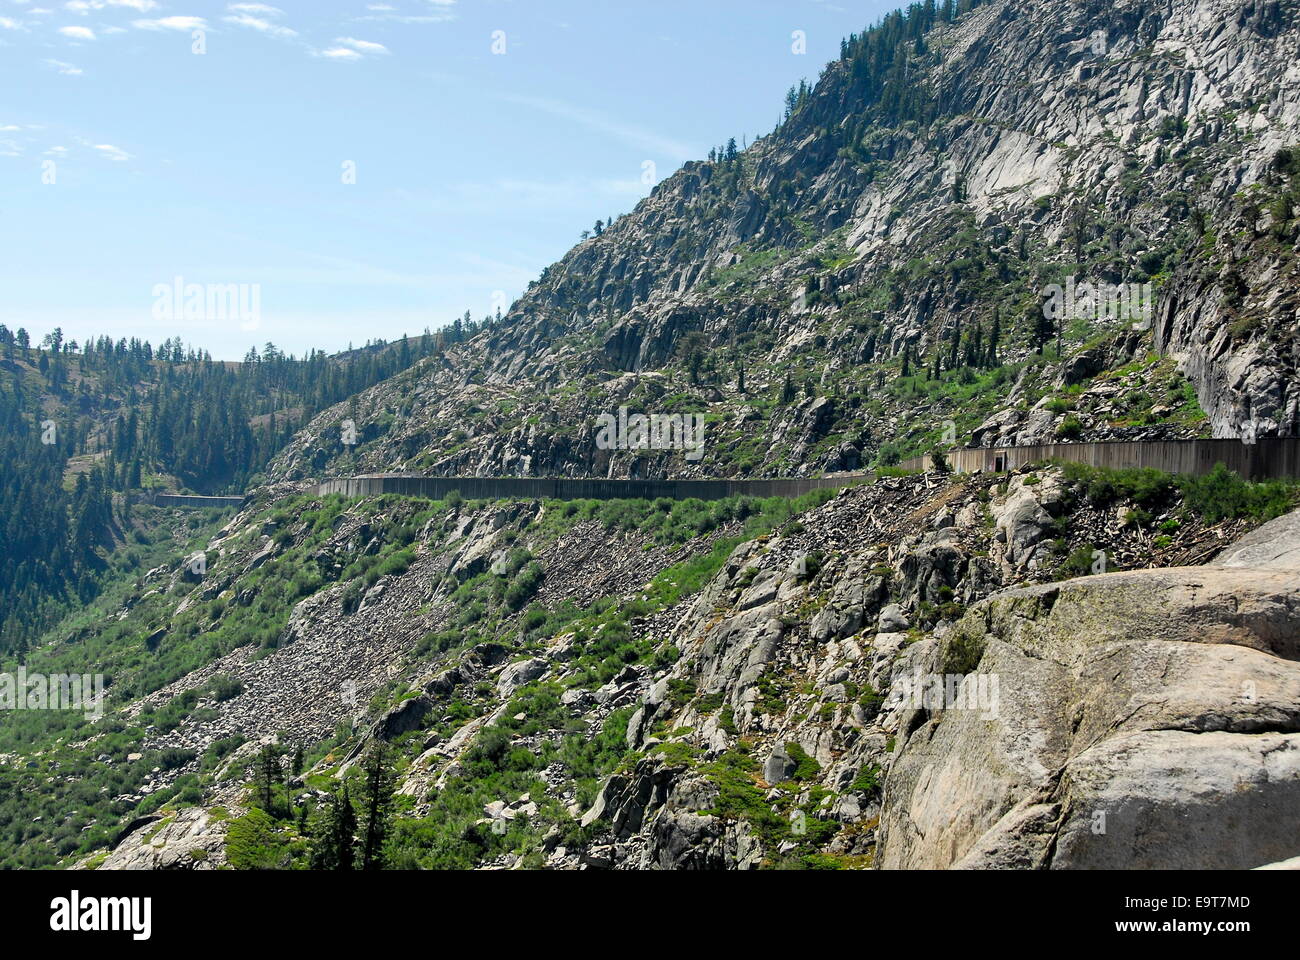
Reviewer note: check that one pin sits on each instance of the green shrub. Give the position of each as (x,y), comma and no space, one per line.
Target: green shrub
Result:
(524,586)
(253,842)
(871,702)
(532,618)
(680,691)
(1223,495)
(173,757)
(218,750)
(1071,428)
(1146,487)
(351,598)
(806,768)
(1078,564)
(396,564)
(868,781)
(222,687)
(962,653)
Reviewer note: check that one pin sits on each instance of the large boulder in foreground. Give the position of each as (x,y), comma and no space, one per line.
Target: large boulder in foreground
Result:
(1148,719)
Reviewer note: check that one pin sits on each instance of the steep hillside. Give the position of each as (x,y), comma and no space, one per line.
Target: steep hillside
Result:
(666,685)
(868,280)
(85,429)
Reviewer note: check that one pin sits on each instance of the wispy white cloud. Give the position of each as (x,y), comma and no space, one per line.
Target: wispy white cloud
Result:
(171,23)
(438,11)
(66,69)
(260,9)
(77,33)
(84,7)
(350,48)
(259,24)
(362,46)
(9,23)
(113,153)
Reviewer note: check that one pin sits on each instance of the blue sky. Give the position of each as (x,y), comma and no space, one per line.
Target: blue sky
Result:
(473,169)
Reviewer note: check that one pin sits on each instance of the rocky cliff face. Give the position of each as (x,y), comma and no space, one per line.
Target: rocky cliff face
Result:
(1123,144)
(1099,722)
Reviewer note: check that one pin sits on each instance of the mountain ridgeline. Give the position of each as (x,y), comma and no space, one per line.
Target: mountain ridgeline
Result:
(877,267)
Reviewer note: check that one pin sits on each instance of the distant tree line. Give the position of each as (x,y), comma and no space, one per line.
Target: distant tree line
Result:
(132,411)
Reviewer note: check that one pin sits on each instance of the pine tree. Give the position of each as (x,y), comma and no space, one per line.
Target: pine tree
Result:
(334,840)
(376,800)
(268,777)
(1042,327)
(694,364)
(994,335)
